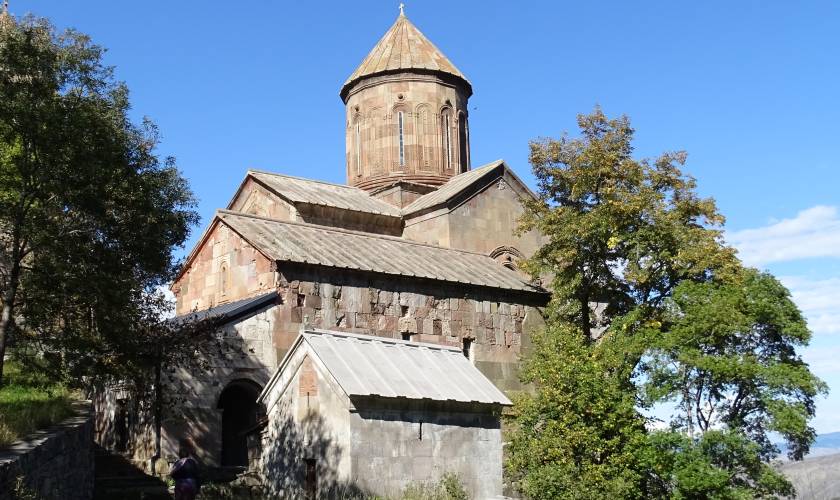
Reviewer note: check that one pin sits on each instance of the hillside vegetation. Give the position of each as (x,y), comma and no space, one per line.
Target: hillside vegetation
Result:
(29,402)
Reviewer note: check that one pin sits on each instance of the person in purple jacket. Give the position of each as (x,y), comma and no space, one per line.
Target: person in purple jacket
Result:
(185,472)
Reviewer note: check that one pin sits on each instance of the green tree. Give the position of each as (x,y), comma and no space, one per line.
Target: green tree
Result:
(632,252)
(621,231)
(577,434)
(718,464)
(89,215)
(727,356)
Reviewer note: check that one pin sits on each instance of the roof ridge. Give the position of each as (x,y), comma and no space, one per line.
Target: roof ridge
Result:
(375,338)
(348,231)
(277,174)
(407,210)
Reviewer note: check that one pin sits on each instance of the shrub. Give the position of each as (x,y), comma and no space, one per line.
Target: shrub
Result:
(448,488)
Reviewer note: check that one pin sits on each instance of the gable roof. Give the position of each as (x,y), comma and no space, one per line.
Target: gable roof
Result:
(229,311)
(403,47)
(297,190)
(341,248)
(457,185)
(364,365)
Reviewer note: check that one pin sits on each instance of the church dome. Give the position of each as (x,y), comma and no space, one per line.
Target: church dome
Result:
(406,114)
(404,48)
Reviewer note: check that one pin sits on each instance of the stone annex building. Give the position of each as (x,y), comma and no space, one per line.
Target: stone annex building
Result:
(373,327)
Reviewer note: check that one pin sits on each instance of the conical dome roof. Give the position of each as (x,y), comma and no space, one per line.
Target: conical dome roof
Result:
(6,19)
(404,48)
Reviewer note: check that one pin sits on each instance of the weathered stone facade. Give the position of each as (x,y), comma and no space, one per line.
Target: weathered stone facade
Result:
(123,423)
(367,446)
(225,268)
(53,464)
(483,222)
(494,324)
(426,113)
(248,355)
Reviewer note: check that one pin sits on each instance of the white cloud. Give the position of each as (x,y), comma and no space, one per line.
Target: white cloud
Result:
(814,232)
(167,294)
(819,300)
(823,360)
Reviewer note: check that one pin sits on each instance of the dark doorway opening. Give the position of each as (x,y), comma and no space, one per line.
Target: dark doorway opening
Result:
(121,425)
(310,480)
(238,403)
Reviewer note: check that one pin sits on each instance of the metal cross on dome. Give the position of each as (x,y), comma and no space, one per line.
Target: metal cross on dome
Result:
(402,9)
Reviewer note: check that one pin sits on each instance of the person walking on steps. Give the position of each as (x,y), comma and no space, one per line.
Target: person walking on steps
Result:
(185,472)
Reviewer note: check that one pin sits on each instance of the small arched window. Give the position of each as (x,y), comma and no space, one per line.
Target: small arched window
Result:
(463,143)
(446,136)
(421,133)
(400,131)
(223,279)
(357,140)
(507,256)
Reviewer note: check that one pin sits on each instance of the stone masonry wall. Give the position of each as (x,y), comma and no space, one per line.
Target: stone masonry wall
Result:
(306,423)
(255,199)
(422,446)
(225,269)
(494,324)
(481,224)
(247,354)
(490,219)
(373,107)
(54,464)
(108,403)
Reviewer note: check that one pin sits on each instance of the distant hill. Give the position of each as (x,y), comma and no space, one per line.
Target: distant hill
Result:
(830,440)
(825,444)
(815,478)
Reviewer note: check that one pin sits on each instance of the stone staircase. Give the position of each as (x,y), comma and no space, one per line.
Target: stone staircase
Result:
(117,478)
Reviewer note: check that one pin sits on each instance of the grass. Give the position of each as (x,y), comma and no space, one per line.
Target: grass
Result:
(28,402)
(449,487)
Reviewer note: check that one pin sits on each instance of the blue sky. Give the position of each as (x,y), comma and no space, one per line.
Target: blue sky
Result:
(748,88)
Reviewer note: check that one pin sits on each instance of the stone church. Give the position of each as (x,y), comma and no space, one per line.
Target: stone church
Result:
(418,248)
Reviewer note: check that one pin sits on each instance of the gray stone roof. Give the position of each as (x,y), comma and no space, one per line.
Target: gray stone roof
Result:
(229,311)
(365,365)
(340,248)
(403,47)
(451,188)
(298,190)
(457,185)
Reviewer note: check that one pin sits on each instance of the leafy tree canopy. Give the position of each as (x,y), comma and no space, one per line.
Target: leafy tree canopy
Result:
(89,214)
(649,305)
(621,231)
(727,355)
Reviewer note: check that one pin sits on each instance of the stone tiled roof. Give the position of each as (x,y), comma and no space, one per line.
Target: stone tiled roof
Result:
(339,248)
(365,365)
(227,312)
(451,188)
(297,190)
(403,47)
(456,185)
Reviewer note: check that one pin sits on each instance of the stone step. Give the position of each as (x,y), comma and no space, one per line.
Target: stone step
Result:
(118,478)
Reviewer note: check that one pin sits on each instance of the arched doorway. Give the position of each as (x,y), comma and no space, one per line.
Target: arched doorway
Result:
(238,403)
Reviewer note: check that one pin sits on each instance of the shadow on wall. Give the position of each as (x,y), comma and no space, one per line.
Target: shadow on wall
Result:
(122,422)
(300,460)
